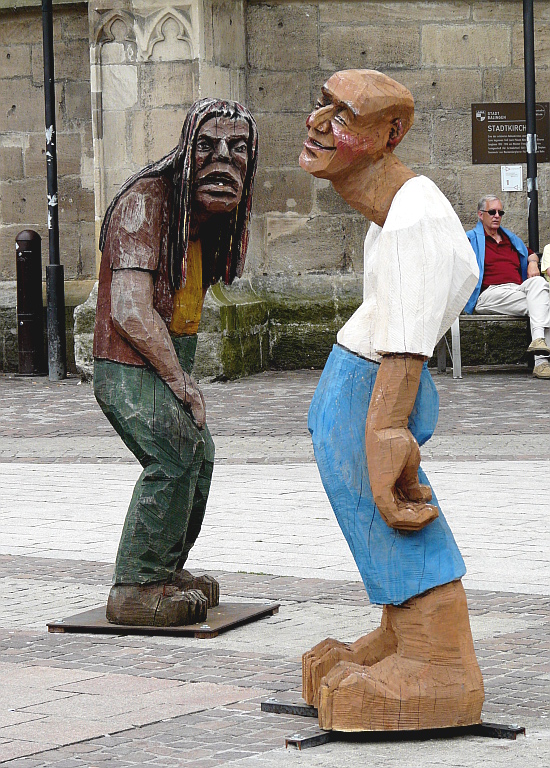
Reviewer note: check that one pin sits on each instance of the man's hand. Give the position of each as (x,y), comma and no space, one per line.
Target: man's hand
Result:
(532,269)
(187,390)
(393,456)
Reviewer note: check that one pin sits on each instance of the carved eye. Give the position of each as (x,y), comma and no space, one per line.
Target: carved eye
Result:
(203,145)
(341,117)
(239,146)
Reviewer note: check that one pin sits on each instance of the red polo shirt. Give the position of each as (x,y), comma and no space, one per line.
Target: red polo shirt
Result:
(502,263)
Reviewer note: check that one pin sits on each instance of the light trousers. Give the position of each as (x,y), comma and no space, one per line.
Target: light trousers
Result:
(531,298)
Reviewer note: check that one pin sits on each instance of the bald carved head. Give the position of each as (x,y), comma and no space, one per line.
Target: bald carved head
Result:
(360,116)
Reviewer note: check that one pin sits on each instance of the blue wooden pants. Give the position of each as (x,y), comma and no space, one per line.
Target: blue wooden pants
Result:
(394,565)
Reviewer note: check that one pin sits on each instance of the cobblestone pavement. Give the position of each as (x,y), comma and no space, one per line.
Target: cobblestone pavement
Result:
(276,518)
(154,712)
(264,419)
(85,701)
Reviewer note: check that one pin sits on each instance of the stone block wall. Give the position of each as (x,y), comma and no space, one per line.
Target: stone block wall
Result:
(449,53)
(22,141)
(150,60)
(127,70)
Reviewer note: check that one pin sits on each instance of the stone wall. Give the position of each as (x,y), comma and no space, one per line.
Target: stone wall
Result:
(22,141)
(127,70)
(150,60)
(449,53)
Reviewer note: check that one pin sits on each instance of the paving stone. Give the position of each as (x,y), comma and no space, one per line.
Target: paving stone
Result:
(477,405)
(495,421)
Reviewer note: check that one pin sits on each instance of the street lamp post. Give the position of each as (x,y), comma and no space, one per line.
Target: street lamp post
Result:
(55,289)
(531,124)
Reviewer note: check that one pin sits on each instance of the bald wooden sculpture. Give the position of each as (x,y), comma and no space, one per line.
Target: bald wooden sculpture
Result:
(374,405)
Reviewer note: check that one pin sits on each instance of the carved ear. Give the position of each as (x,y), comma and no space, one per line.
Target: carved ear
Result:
(396,133)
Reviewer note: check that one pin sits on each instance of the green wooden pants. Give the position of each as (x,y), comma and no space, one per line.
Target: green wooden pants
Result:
(169,501)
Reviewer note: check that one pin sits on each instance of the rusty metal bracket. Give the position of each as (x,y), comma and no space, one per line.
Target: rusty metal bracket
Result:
(224,617)
(311,740)
(282,708)
(490,730)
(496,731)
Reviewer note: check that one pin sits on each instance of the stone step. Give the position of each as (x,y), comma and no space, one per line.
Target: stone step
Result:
(252,327)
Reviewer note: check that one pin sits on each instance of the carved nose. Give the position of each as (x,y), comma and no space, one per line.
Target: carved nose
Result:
(319,119)
(222,150)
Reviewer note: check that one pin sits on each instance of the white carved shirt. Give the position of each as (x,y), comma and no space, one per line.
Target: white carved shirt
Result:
(419,272)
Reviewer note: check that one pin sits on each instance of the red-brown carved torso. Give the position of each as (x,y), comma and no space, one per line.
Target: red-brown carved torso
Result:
(137,238)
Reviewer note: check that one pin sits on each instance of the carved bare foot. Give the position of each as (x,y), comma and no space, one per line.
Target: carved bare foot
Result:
(432,680)
(155,605)
(206,584)
(399,694)
(367,650)
(317,662)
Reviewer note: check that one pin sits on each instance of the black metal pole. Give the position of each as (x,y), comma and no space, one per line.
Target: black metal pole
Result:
(30,314)
(57,353)
(531,124)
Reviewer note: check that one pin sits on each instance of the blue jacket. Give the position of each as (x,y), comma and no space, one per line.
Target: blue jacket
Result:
(477,241)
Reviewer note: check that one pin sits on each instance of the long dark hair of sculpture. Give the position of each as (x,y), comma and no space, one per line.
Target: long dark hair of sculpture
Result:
(224,243)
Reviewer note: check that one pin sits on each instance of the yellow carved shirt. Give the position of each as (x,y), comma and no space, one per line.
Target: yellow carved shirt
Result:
(188,300)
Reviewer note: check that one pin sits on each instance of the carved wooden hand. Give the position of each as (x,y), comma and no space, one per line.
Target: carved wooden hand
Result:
(393,455)
(135,318)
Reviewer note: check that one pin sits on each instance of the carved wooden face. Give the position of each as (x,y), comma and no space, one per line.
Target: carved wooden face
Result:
(221,159)
(346,127)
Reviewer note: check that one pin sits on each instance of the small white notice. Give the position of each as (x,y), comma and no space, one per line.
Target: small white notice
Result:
(511,178)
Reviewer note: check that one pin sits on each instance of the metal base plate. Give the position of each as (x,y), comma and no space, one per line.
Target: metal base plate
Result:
(318,737)
(314,739)
(301,741)
(284,708)
(224,617)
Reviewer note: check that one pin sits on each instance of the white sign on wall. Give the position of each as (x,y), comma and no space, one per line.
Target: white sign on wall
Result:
(511,178)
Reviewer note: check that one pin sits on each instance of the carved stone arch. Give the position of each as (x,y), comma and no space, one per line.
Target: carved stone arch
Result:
(151,31)
(114,39)
(104,33)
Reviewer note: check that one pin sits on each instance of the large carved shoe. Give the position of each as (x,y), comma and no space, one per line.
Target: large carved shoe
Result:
(432,681)
(206,584)
(155,605)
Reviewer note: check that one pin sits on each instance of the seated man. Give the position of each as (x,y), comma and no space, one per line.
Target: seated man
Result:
(509,279)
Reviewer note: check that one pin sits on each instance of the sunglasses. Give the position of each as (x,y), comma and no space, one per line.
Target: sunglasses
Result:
(493,211)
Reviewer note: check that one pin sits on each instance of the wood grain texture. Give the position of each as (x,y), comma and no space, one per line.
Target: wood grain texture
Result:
(419,671)
(155,605)
(374,406)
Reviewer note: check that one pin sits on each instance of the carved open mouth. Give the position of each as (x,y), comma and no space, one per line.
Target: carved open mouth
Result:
(310,143)
(218,181)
